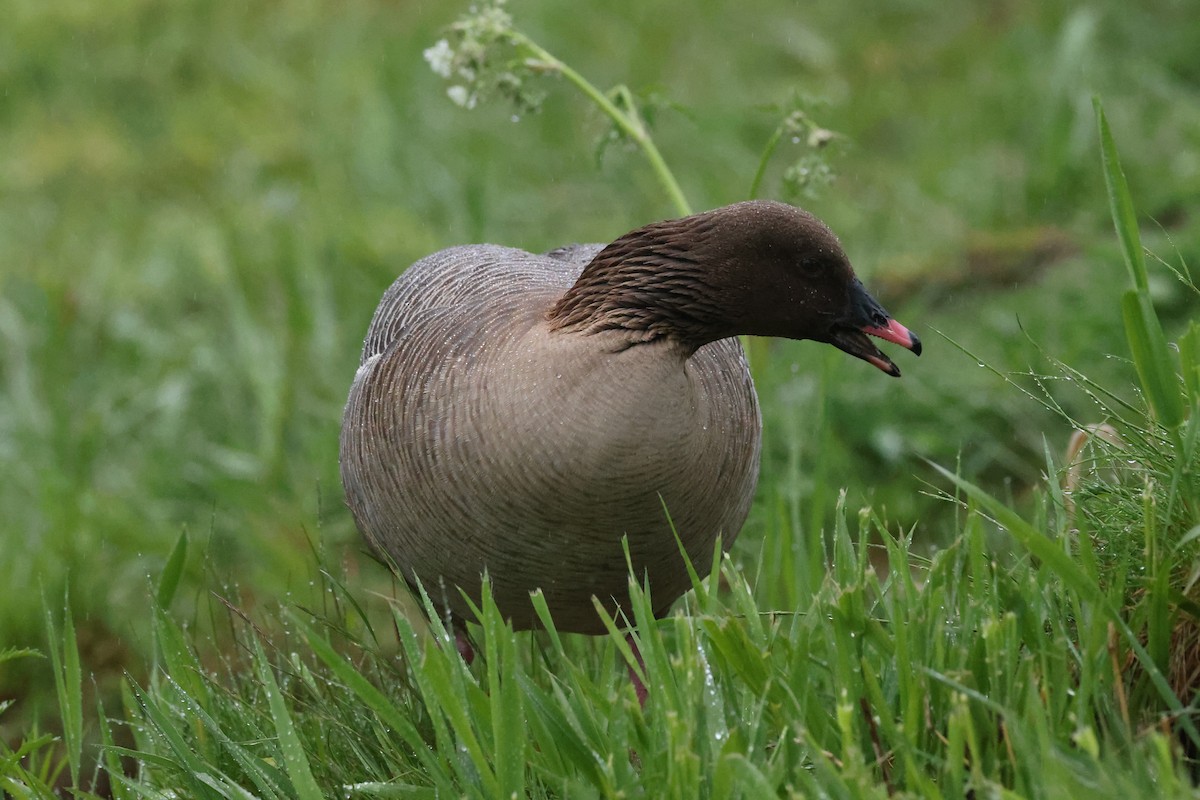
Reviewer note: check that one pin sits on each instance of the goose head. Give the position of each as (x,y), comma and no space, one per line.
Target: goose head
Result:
(758,268)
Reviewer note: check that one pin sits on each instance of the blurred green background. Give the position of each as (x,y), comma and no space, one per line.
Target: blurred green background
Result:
(201,202)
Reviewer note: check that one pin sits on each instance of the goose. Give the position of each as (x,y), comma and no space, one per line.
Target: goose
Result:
(522,415)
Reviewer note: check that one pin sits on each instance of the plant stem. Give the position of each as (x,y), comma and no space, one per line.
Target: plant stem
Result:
(768,151)
(628,124)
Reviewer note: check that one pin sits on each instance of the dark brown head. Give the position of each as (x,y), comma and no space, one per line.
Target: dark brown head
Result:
(759,268)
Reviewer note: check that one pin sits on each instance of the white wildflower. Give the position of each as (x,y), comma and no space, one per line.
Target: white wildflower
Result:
(461,97)
(819,137)
(440,58)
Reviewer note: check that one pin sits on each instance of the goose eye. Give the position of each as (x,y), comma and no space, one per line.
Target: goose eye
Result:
(810,267)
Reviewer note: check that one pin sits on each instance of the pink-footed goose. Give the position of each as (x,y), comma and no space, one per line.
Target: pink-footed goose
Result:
(521,413)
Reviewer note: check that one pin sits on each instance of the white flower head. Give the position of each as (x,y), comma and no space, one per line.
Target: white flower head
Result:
(440,58)
(461,96)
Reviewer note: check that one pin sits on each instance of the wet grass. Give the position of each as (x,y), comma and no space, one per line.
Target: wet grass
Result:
(201,205)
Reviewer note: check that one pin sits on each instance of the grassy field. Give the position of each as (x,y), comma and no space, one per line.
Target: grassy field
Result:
(201,203)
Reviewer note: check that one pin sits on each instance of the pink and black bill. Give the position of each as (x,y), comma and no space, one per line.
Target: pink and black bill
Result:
(867,318)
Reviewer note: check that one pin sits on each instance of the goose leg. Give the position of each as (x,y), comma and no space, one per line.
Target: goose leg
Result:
(639,687)
(463,642)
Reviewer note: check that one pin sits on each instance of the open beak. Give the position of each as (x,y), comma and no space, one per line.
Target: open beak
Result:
(867,318)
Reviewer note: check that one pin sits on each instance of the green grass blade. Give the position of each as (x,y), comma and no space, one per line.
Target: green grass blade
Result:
(504,697)
(702,591)
(168,582)
(1142,327)
(226,787)
(456,705)
(131,707)
(1121,202)
(392,717)
(187,764)
(269,778)
(68,684)
(1052,554)
(294,760)
(1189,358)
(622,643)
(178,660)
(538,599)
(110,760)
(1151,358)
(736,776)
(554,730)
(1048,550)
(447,687)
(390,790)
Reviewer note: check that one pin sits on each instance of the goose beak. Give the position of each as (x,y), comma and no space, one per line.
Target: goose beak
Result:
(867,318)
(896,333)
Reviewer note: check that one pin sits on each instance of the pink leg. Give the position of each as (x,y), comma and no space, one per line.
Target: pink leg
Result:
(464,645)
(639,687)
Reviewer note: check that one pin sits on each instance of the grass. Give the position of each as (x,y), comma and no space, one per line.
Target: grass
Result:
(200,208)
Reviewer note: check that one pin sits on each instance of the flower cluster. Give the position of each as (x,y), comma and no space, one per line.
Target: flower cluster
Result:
(811,172)
(481,57)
